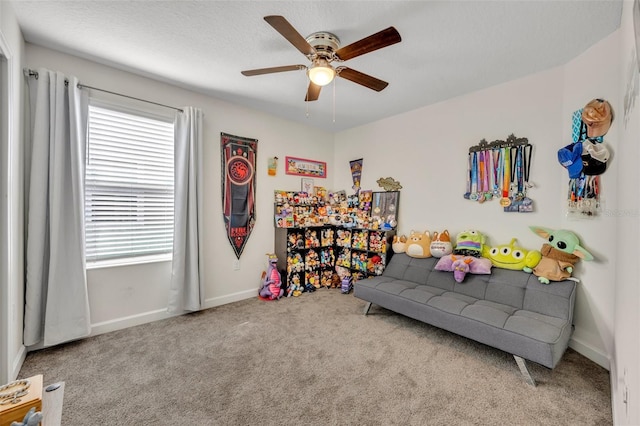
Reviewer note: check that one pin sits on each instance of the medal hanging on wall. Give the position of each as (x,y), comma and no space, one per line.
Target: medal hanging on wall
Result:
(501,170)
(520,157)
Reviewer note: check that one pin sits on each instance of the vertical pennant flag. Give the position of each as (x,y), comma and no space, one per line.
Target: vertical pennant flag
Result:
(356,173)
(238,188)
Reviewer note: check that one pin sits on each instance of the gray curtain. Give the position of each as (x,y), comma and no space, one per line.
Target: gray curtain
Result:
(56,300)
(186,292)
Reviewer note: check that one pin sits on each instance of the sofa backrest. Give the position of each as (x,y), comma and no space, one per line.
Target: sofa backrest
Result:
(517,289)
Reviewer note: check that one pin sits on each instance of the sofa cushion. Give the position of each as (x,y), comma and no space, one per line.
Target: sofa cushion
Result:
(537,326)
(421,293)
(451,302)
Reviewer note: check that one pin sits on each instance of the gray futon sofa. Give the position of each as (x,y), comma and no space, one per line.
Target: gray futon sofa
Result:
(509,310)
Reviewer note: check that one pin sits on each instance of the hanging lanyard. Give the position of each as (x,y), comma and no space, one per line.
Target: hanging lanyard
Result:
(481,177)
(519,171)
(506,171)
(527,165)
(474,177)
(468,188)
(490,175)
(496,171)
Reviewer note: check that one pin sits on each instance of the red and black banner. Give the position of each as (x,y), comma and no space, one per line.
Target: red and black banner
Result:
(238,188)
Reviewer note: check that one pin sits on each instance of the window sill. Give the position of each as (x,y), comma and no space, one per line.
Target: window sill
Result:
(129,261)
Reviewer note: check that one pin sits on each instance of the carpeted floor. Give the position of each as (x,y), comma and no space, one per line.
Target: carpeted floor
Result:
(312,360)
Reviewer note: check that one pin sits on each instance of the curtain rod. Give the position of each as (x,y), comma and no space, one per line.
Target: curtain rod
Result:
(32,73)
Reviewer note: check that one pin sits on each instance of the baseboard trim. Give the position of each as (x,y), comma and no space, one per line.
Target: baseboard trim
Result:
(17,362)
(590,352)
(160,314)
(230,298)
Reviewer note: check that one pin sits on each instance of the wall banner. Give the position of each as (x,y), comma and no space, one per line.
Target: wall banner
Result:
(356,173)
(238,188)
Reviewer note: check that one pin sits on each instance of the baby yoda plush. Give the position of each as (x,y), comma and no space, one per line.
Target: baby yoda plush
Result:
(559,255)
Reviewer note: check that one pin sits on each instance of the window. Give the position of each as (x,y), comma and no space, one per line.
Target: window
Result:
(129,185)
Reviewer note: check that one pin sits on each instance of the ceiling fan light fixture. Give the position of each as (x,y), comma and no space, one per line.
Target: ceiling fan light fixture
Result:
(321,73)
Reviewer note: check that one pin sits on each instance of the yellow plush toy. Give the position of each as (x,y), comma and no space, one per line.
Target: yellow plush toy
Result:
(510,256)
(418,245)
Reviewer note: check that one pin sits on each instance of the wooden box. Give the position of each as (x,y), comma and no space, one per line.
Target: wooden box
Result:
(15,412)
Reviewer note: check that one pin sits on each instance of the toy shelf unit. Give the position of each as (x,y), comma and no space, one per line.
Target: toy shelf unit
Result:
(370,252)
(306,255)
(316,232)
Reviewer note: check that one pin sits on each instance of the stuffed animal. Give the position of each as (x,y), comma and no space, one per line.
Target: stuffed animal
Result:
(399,244)
(271,284)
(335,280)
(510,256)
(418,245)
(463,265)
(441,244)
(347,285)
(469,243)
(559,255)
(294,289)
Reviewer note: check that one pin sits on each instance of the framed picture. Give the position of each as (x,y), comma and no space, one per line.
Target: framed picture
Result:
(305,167)
(307,186)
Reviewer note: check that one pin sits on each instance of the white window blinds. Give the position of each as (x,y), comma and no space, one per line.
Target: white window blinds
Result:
(129,185)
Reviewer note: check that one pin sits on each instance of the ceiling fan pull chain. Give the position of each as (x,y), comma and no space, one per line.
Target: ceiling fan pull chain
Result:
(334,100)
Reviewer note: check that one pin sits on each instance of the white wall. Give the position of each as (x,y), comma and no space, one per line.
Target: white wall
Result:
(128,295)
(426,150)
(625,368)
(12,352)
(596,74)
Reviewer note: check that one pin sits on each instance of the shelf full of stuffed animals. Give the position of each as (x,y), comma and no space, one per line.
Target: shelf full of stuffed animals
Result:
(310,257)
(365,210)
(470,253)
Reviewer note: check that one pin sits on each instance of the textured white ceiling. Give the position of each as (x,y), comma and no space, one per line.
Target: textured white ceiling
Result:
(448,48)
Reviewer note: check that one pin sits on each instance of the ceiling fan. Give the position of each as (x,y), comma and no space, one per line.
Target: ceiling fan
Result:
(322,48)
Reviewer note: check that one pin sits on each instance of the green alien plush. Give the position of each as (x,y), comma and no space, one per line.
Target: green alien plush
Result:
(559,255)
(512,256)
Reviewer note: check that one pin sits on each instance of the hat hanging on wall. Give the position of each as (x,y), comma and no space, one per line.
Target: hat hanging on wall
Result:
(597,115)
(571,158)
(594,158)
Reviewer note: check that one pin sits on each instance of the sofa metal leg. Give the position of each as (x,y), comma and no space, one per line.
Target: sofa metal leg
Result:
(366,308)
(522,364)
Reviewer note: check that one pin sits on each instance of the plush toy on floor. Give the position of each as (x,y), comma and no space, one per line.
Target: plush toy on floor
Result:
(271,284)
(559,255)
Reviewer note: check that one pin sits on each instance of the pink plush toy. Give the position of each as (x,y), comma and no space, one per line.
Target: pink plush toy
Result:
(272,284)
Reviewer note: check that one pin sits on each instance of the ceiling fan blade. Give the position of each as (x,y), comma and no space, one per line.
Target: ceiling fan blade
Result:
(313,92)
(272,70)
(375,41)
(283,26)
(362,78)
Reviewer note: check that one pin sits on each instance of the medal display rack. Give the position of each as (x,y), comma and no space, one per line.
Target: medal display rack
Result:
(501,170)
